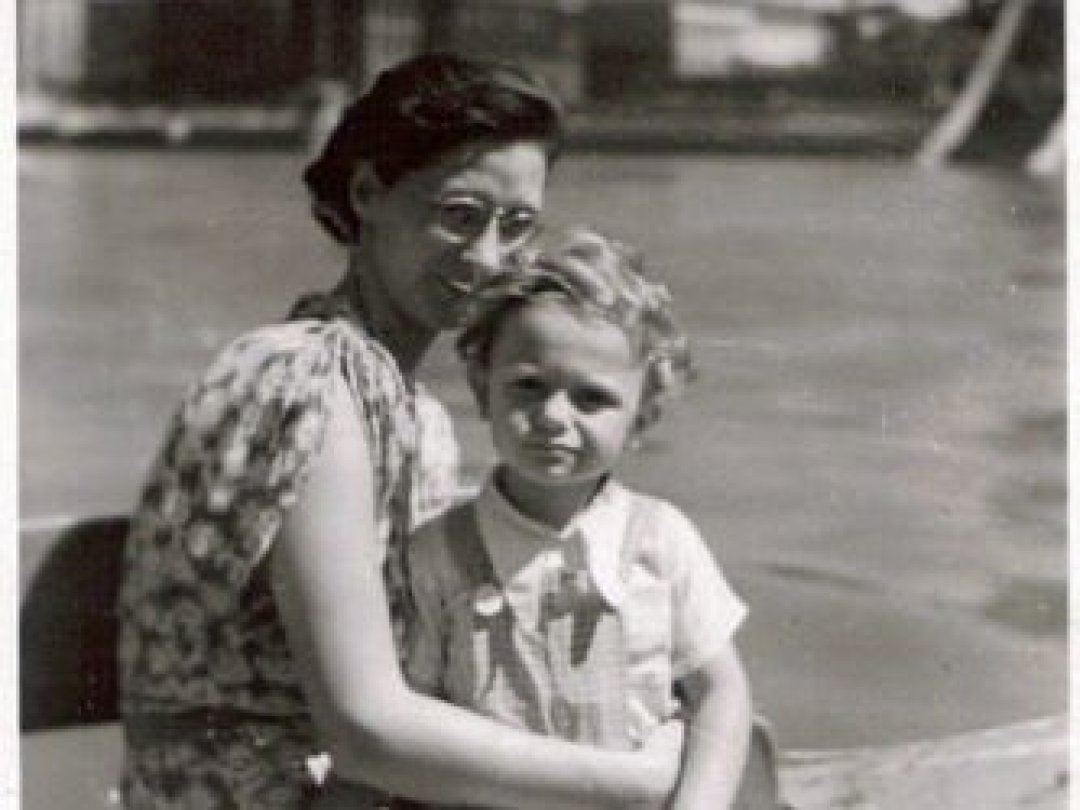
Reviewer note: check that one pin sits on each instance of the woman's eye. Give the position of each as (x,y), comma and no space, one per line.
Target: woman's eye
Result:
(517,225)
(463,217)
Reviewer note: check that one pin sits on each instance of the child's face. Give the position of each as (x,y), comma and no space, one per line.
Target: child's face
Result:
(562,395)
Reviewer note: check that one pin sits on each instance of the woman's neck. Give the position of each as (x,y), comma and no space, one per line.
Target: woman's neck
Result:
(406,341)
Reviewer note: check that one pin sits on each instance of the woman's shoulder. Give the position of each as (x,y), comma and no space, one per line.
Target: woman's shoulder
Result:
(287,342)
(294,358)
(266,390)
(292,341)
(278,362)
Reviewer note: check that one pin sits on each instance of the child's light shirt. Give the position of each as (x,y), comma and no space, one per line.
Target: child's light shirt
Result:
(579,632)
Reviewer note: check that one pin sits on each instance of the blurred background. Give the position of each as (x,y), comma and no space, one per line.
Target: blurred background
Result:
(745,74)
(859,205)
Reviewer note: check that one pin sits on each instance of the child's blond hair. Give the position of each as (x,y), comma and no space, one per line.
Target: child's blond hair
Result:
(602,276)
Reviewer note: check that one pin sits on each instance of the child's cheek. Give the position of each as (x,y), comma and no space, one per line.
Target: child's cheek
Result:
(518,420)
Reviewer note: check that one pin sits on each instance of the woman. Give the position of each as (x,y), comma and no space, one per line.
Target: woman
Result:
(262,569)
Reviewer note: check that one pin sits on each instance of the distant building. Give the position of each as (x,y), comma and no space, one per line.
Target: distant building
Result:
(714,39)
(164,49)
(641,47)
(628,47)
(252,50)
(235,50)
(543,35)
(351,40)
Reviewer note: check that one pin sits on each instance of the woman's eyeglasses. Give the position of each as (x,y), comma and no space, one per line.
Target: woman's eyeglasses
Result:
(465,217)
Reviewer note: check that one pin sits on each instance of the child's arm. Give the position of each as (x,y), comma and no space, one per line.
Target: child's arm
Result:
(717,700)
(706,615)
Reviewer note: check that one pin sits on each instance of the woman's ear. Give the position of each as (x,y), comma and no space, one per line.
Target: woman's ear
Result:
(364,187)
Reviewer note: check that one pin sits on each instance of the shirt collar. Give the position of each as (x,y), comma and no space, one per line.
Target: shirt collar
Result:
(513,540)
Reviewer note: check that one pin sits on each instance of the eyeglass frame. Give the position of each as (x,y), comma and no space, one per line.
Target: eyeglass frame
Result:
(500,214)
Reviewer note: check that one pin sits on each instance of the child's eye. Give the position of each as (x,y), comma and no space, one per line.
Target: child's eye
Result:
(596,399)
(526,386)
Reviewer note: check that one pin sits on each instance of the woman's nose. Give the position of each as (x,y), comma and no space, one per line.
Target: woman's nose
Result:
(485,252)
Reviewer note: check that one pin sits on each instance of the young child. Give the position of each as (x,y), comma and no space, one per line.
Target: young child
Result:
(557,599)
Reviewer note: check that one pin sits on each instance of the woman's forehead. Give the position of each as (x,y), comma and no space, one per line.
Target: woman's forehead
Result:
(514,167)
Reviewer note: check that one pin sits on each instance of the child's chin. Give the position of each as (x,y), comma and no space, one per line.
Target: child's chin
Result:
(563,478)
(552,476)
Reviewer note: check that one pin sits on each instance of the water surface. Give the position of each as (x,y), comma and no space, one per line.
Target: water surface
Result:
(875,448)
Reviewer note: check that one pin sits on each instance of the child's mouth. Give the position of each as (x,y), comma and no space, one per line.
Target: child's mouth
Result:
(547,450)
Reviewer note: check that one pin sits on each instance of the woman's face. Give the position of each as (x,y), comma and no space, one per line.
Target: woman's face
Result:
(439,231)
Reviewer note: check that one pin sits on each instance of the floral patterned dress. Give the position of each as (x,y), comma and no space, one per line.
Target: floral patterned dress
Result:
(213,712)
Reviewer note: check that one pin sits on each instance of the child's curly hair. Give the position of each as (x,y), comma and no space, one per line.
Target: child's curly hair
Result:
(602,276)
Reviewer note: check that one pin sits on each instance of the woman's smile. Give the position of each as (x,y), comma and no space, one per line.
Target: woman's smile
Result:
(428,273)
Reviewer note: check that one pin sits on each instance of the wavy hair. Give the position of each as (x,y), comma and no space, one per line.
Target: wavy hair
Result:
(599,275)
(417,112)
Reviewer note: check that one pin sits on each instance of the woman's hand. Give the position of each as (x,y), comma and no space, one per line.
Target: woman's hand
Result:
(661,756)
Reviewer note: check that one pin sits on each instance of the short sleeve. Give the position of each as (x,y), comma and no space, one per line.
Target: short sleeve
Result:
(240,449)
(706,611)
(198,621)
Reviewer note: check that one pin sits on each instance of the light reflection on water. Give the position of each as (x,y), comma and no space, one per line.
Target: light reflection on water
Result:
(875,448)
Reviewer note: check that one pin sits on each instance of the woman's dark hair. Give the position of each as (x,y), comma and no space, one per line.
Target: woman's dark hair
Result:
(420,110)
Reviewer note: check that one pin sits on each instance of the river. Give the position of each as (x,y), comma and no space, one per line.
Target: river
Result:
(875,447)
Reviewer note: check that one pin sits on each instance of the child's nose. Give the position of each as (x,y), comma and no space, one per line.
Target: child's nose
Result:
(554,411)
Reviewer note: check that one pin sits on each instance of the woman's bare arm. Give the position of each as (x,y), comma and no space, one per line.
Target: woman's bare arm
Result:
(328,585)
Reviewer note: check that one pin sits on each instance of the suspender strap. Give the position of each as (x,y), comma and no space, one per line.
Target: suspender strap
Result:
(467,547)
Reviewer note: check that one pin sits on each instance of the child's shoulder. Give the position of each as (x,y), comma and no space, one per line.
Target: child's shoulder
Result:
(659,528)
(652,509)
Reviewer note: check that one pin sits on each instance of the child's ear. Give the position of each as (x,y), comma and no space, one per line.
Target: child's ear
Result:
(648,414)
(477,375)
(364,187)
